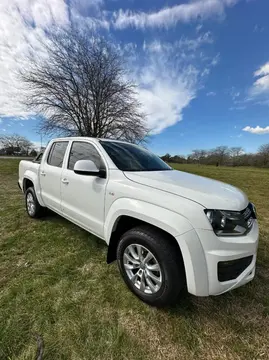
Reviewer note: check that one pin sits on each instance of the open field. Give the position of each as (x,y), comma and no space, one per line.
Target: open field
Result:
(55,283)
(15,157)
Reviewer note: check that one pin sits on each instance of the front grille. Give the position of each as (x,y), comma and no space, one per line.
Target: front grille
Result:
(247,213)
(249,216)
(230,270)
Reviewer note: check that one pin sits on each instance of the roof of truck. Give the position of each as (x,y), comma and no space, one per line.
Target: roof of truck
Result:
(88,138)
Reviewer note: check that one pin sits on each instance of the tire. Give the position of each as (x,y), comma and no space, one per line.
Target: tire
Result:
(170,276)
(33,208)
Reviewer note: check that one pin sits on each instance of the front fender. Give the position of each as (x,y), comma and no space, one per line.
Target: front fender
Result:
(32,176)
(167,220)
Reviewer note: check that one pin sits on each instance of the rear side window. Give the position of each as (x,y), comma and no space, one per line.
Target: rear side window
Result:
(83,151)
(56,155)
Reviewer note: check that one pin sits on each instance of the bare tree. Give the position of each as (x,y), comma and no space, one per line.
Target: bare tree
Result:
(235,153)
(199,155)
(167,157)
(220,154)
(203,156)
(264,154)
(12,144)
(81,88)
(195,155)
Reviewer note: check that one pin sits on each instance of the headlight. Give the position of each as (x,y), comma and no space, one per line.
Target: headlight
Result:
(231,223)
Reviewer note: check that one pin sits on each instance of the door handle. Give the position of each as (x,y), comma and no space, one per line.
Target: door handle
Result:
(65,181)
(43,173)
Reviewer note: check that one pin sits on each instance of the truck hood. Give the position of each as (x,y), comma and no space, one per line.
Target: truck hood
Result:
(212,194)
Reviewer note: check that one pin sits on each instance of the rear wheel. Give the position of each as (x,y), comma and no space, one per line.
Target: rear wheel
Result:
(33,208)
(151,265)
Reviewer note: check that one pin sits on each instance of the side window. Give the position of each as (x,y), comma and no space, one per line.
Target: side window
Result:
(83,151)
(38,158)
(56,154)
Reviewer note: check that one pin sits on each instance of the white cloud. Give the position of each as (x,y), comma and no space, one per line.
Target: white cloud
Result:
(261,86)
(23,23)
(164,102)
(89,13)
(169,74)
(257,130)
(170,16)
(37,145)
(237,108)
(183,44)
(236,136)
(234,93)
(169,79)
(215,60)
(211,93)
(83,6)
(263,70)
(258,29)
(199,27)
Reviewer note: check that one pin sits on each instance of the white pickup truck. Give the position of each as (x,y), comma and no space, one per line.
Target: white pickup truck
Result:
(166,228)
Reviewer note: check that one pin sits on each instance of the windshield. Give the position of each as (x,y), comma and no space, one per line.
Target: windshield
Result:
(129,157)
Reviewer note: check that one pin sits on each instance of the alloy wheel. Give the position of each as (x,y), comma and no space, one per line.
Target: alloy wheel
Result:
(142,268)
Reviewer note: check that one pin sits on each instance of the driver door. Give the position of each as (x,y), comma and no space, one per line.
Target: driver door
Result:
(83,196)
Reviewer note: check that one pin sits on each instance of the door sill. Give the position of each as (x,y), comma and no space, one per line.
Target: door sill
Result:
(76,223)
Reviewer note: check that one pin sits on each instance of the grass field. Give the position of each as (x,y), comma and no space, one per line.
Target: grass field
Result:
(55,286)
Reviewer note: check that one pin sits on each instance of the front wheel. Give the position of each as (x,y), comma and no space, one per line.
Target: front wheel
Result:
(151,265)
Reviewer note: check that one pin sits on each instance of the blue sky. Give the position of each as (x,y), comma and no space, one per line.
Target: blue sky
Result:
(202,66)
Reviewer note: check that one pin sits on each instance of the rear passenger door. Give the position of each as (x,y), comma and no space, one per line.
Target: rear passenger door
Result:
(50,175)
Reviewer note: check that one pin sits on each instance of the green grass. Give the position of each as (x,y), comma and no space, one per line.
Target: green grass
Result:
(54,282)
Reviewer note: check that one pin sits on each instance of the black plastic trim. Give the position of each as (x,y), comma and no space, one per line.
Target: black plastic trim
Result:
(230,270)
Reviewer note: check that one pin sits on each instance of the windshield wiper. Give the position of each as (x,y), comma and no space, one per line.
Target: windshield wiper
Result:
(139,170)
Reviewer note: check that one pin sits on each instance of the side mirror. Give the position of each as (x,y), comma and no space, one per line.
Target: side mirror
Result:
(88,167)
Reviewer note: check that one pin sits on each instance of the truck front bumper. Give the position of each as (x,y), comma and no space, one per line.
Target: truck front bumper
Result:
(215,264)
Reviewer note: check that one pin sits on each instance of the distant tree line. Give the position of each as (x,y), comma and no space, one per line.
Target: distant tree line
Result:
(223,155)
(16,145)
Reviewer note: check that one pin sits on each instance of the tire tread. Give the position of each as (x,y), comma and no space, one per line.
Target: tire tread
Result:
(170,255)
